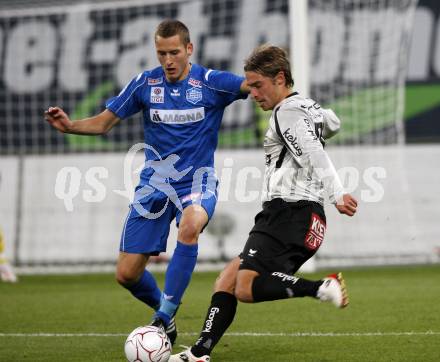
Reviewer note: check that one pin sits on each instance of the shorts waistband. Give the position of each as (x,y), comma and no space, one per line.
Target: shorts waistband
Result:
(294,204)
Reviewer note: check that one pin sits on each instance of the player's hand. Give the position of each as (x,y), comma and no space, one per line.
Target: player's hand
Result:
(347,205)
(58,119)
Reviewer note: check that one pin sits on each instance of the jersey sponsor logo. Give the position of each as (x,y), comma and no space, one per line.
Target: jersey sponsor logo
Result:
(293,141)
(175,92)
(177,116)
(194,95)
(195,82)
(157,95)
(315,235)
(155,81)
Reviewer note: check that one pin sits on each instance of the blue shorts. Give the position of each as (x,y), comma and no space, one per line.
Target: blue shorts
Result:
(147,226)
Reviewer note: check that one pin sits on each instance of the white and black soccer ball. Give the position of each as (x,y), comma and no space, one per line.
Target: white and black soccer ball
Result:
(147,344)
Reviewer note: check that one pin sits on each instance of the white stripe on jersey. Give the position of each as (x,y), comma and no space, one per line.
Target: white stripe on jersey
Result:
(134,90)
(207,74)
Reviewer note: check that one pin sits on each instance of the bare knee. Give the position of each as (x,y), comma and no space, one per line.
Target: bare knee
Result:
(126,276)
(225,282)
(194,217)
(243,288)
(189,232)
(243,293)
(130,268)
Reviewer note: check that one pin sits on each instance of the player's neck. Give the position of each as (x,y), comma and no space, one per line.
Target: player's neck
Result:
(184,74)
(284,93)
(287,92)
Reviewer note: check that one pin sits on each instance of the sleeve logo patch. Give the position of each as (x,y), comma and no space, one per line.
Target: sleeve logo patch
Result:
(315,235)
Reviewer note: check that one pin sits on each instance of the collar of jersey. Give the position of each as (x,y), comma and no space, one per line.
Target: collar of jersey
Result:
(284,99)
(291,95)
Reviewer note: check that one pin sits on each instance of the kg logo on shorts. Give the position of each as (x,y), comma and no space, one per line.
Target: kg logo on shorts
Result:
(315,235)
(193,95)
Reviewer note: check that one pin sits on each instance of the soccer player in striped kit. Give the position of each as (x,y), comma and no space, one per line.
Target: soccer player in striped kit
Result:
(291,227)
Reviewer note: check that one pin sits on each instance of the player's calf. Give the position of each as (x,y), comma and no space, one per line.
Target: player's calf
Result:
(277,285)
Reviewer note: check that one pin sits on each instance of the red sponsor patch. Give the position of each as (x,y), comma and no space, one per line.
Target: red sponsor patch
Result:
(154,81)
(315,235)
(195,82)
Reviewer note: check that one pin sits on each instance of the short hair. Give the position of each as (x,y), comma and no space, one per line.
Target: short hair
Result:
(269,60)
(171,27)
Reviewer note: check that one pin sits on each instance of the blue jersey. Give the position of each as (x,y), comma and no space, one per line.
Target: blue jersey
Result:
(181,119)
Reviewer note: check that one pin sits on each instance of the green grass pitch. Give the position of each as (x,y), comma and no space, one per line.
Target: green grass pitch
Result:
(394,315)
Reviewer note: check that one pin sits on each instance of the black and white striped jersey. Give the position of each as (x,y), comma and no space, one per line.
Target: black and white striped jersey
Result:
(297,166)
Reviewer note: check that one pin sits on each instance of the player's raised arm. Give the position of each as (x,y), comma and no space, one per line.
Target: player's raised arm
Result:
(300,137)
(95,125)
(322,164)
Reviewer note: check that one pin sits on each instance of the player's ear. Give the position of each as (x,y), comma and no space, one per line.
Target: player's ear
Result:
(189,48)
(280,78)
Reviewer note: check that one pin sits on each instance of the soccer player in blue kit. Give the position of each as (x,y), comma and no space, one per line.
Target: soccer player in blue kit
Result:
(182,104)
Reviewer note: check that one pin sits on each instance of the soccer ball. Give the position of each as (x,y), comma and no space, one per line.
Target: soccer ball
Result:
(147,344)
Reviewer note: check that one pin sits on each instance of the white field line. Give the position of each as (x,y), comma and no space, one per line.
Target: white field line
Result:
(238,334)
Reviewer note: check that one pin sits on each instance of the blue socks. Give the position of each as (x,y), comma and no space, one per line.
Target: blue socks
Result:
(177,278)
(146,290)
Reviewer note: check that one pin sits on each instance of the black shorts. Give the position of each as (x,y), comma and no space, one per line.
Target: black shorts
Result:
(284,237)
